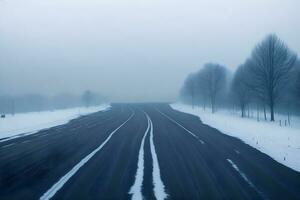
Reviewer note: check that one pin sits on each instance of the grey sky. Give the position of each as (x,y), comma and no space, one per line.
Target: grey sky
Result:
(131,50)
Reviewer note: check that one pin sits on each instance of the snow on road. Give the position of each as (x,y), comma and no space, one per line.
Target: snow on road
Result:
(159,187)
(28,123)
(280,143)
(136,188)
(61,182)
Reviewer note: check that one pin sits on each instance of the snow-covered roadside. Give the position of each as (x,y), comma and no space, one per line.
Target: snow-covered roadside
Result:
(280,143)
(28,123)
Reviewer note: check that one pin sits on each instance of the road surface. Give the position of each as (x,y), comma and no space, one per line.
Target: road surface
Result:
(139,151)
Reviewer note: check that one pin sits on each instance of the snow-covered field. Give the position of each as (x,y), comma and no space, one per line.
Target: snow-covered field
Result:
(279,142)
(28,123)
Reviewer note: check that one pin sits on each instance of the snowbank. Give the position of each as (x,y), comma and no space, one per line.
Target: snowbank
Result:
(280,143)
(28,123)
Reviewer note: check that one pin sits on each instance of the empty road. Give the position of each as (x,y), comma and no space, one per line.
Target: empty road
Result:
(139,151)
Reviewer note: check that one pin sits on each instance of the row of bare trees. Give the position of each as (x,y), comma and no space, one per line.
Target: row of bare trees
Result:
(205,85)
(268,78)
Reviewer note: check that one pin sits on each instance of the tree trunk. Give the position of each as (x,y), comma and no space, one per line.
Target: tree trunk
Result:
(243,111)
(192,101)
(289,118)
(271,104)
(272,112)
(212,102)
(248,111)
(257,115)
(265,114)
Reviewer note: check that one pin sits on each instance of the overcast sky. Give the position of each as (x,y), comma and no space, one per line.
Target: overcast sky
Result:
(131,50)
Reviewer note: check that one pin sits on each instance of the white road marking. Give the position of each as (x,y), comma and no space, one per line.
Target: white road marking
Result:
(236,151)
(8,145)
(190,132)
(41,135)
(60,183)
(201,141)
(16,136)
(136,188)
(245,178)
(159,188)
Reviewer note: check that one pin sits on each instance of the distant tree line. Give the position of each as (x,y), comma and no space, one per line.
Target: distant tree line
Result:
(36,102)
(269,79)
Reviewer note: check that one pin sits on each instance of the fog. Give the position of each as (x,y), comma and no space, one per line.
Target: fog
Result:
(133,50)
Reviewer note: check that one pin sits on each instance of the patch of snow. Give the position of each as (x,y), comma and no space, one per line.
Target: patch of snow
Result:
(22,124)
(159,187)
(60,183)
(279,142)
(136,188)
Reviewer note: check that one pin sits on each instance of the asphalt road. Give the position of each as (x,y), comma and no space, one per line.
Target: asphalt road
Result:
(139,151)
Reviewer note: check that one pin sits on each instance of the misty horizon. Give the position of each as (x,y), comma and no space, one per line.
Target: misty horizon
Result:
(131,52)
(149,99)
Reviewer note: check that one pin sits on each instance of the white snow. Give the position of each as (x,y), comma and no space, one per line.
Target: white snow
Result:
(60,183)
(28,123)
(136,188)
(279,142)
(159,187)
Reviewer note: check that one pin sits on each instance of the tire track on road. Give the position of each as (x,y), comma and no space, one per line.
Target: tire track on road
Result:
(159,187)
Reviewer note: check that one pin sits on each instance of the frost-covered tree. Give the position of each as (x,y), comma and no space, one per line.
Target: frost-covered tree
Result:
(239,88)
(87,98)
(297,87)
(212,79)
(189,89)
(271,62)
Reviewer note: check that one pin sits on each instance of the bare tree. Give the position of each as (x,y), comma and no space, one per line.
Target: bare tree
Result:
(212,78)
(189,88)
(87,97)
(239,88)
(271,62)
(201,88)
(297,87)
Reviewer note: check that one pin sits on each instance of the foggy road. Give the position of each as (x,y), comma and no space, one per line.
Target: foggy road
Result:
(135,151)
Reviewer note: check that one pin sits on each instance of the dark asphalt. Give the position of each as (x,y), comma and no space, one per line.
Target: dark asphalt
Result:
(195,161)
